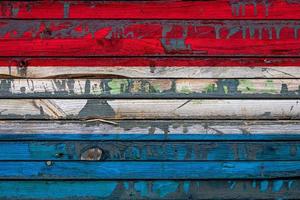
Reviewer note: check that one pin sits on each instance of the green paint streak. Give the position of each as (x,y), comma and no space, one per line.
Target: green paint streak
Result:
(225,89)
(269,87)
(246,86)
(116,85)
(210,88)
(185,90)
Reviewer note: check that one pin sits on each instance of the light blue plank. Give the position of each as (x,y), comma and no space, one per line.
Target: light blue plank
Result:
(199,189)
(151,150)
(148,170)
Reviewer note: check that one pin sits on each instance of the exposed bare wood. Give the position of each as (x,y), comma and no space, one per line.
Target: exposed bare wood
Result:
(152,72)
(148,109)
(151,127)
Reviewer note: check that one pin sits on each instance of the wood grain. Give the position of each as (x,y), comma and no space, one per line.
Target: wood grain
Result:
(221,9)
(149,38)
(148,109)
(149,72)
(149,88)
(158,189)
(149,151)
(76,170)
(150,130)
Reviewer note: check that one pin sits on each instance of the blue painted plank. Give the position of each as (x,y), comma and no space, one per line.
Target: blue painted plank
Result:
(148,137)
(158,189)
(150,150)
(148,170)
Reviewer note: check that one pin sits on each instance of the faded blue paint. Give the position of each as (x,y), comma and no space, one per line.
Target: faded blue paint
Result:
(163,188)
(264,186)
(149,170)
(277,185)
(86,190)
(126,185)
(61,190)
(153,150)
(290,184)
(186,186)
(232,184)
(141,187)
(254,184)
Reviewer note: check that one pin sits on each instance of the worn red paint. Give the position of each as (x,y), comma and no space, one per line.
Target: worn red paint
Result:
(165,9)
(149,38)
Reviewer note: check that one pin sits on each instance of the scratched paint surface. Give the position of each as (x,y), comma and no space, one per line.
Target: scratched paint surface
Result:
(149,37)
(149,88)
(149,99)
(154,151)
(221,9)
(208,189)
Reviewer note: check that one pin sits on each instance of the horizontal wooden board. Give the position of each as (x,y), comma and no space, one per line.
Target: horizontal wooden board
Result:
(103,109)
(206,189)
(166,9)
(150,130)
(56,170)
(150,67)
(149,72)
(145,151)
(149,38)
(149,88)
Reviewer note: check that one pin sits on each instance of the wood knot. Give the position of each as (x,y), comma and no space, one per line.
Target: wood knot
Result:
(91,154)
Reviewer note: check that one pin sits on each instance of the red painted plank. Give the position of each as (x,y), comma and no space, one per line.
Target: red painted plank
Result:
(149,62)
(165,9)
(149,38)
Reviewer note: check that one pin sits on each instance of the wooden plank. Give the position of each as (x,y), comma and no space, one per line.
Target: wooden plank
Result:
(149,38)
(157,189)
(38,170)
(150,130)
(102,109)
(221,9)
(151,137)
(149,88)
(146,151)
(149,72)
(150,67)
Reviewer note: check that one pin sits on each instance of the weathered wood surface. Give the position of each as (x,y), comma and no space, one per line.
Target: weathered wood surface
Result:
(149,88)
(153,62)
(187,189)
(149,72)
(166,9)
(137,170)
(150,130)
(148,109)
(207,189)
(150,67)
(149,151)
(149,38)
